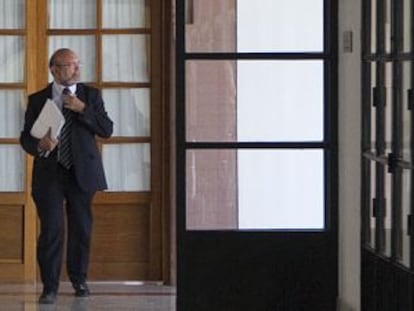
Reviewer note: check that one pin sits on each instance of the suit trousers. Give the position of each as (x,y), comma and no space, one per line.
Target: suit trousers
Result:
(49,201)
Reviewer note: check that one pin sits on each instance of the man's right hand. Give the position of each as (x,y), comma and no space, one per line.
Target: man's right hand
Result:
(47,143)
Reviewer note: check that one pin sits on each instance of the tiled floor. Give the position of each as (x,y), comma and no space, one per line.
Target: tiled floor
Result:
(105,296)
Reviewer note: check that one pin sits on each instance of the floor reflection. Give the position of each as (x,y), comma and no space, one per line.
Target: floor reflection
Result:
(105,296)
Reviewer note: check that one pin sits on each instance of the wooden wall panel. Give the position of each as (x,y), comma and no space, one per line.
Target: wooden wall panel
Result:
(120,243)
(120,233)
(11,272)
(119,271)
(11,233)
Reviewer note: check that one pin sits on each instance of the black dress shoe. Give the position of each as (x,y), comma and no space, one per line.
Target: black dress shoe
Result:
(47,297)
(81,289)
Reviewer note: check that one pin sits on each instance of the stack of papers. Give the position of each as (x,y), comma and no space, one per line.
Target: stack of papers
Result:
(50,117)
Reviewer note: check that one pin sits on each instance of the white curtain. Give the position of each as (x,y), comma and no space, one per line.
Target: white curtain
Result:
(130,111)
(127,166)
(74,14)
(12,14)
(12,110)
(11,168)
(11,59)
(125,13)
(125,58)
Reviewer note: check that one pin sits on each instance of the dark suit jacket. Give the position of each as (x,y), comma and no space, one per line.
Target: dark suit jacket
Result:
(87,163)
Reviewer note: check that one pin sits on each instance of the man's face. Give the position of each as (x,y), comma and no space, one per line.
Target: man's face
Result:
(65,69)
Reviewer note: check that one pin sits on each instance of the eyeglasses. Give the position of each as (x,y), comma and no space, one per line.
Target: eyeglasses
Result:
(67,65)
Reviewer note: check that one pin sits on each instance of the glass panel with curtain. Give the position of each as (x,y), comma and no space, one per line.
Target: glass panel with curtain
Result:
(131,14)
(12,59)
(12,14)
(11,169)
(126,60)
(12,109)
(133,51)
(130,111)
(127,166)
(74,14)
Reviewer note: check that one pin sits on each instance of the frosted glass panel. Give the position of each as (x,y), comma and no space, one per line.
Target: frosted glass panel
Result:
(84,46)
(373,184)
(407,121)
(389,89)
(406,207)
(12,111)
(388,213)
(407,25)
(11,168)
(373,26)
(255,189)
(280,25)
(281,189)
(130,111)
(11,59)
(12,14)
(254,100)
(125,58)
(274,97)
(73,14)
(388,26)
(127,166)
(125,14)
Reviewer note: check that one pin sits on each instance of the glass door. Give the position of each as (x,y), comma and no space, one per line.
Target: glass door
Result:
(387,157)
(256,154)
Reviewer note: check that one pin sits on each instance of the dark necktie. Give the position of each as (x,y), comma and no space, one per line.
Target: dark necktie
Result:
(65,144)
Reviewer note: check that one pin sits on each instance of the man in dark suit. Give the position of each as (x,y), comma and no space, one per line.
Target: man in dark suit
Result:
(68,168)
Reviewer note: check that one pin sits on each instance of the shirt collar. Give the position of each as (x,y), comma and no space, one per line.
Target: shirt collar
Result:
(59,88)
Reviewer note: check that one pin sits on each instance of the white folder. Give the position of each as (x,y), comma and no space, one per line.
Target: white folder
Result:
(49,117)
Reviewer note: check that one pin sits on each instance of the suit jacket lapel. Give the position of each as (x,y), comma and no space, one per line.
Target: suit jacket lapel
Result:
(80,92)
(49,92)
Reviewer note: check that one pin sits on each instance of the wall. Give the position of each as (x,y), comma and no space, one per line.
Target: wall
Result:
(349,113)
